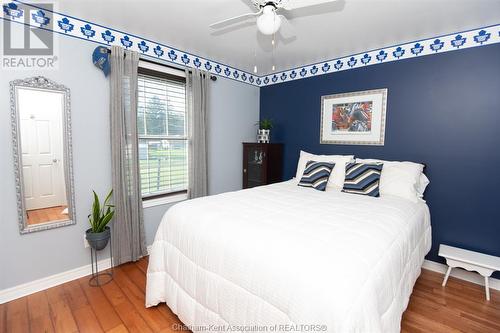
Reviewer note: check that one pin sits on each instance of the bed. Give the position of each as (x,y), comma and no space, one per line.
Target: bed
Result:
(291,256)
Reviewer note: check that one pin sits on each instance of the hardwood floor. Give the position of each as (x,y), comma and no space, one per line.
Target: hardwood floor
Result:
(119,307)
(43,215)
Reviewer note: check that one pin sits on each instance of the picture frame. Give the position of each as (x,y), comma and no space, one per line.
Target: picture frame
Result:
(354,118)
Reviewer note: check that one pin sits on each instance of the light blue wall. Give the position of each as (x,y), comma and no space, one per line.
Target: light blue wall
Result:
(231,122)
(234,110)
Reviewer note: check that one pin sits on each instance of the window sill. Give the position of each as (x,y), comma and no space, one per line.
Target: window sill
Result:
(164,200)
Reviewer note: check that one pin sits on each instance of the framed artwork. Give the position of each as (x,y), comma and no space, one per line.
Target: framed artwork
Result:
(356,118)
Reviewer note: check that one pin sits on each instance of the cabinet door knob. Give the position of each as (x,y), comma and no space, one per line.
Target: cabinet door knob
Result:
(245,170)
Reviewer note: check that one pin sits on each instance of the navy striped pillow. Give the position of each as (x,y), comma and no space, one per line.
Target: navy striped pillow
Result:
(316,175)
(362,178)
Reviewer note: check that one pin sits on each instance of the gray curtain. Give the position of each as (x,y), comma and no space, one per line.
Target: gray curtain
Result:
(197,83)
(128,225)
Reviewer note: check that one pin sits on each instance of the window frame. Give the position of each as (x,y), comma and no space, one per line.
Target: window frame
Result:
(153,69)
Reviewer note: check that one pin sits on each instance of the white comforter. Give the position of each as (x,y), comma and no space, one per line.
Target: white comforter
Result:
(288,255)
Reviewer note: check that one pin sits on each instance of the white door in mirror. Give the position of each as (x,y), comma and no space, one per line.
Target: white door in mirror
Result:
(42,148)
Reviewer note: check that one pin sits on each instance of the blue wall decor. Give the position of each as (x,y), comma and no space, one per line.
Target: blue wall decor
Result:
(442,110)
(71,26)
(100,58)
(93,32)
(452,42)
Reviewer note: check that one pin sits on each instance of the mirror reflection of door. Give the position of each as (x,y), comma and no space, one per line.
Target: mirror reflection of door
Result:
(41,134)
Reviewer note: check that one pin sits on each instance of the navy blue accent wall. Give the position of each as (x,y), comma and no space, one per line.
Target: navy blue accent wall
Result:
(443,110)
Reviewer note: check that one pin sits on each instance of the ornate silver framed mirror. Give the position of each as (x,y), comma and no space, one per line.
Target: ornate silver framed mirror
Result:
(43,158)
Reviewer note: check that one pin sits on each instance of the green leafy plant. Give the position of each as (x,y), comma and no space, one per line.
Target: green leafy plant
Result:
(265,124)
(101,214)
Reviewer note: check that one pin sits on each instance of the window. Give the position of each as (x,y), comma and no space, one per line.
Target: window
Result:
(162,133)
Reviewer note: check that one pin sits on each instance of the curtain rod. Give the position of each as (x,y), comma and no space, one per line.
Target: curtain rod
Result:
(212,77)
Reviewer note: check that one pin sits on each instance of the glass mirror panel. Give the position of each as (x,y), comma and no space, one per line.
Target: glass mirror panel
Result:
(42,154)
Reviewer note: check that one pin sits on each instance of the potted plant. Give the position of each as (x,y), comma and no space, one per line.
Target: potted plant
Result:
(264,133)
(99,233)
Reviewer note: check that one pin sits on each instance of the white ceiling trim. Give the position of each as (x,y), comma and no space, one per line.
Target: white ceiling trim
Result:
(82,29)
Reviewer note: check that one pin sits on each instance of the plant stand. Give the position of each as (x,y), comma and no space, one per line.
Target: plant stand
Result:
(101,278)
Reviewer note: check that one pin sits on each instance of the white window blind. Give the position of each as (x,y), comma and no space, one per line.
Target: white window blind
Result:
(162,132)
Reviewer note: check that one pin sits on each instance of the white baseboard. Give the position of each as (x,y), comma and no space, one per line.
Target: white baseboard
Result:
(461,274)
(25,289)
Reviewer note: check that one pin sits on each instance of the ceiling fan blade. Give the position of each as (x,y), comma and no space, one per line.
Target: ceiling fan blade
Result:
(287,26)
(236,18)
(296,4)
(253,4)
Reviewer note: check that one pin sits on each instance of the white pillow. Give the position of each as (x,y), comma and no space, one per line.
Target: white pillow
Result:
(422,184)
(401,179)
(337,177)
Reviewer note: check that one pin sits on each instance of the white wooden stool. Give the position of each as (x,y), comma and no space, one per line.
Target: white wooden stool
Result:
(472,261)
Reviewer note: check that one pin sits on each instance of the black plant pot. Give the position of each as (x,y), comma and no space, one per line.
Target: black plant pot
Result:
(99,240)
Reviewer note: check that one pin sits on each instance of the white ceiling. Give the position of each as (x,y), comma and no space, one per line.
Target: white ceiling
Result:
(314,34)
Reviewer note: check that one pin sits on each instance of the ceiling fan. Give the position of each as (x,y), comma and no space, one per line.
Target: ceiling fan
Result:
(268,19)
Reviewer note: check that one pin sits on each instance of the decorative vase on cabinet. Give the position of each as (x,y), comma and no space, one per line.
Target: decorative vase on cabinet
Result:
(262,164)
(263,135)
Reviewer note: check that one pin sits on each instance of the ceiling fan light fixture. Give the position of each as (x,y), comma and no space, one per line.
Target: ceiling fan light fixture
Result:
(268,23)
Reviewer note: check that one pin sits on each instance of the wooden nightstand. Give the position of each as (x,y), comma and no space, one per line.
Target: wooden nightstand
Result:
(262,164)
